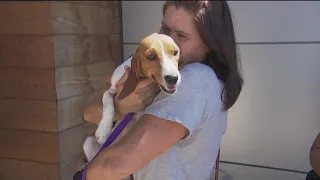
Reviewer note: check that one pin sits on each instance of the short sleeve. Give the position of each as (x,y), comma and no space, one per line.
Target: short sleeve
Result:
(187,105)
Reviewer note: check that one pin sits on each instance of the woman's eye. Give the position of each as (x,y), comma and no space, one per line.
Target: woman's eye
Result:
(175,52)
(181,36)
(152,57)
(164,30)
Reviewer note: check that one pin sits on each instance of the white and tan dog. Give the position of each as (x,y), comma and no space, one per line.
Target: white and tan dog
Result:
(157,57)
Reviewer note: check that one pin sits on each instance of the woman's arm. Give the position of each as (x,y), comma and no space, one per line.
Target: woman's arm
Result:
(147,139)
(315,155)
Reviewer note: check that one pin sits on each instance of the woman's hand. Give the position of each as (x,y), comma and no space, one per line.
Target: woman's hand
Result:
(146,90)
(93,108)
(140,98)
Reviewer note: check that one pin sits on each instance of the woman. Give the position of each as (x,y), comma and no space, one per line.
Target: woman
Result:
(178,137)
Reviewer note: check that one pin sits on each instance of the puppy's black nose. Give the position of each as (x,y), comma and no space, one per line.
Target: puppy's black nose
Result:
(172,80)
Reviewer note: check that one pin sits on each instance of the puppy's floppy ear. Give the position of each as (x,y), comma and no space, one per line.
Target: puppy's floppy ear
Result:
(133,77)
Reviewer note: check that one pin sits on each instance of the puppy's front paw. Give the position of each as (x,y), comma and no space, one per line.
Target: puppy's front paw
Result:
(102,133)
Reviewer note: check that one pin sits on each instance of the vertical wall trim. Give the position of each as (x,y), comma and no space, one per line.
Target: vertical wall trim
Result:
(121,32)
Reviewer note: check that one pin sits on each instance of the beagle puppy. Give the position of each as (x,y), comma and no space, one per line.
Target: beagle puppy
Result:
(157,57)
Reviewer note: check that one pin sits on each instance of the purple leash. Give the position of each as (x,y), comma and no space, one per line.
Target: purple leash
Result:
(114,134)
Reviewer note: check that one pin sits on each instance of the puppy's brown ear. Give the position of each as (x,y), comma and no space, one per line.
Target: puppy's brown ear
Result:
(133,77)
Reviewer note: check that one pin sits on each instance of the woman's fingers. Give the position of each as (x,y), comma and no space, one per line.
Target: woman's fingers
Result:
(149,93)
(144,92)
(144,83)
(93,108)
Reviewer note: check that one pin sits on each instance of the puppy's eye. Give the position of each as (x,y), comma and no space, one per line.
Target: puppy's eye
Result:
(175,52)
(152,57)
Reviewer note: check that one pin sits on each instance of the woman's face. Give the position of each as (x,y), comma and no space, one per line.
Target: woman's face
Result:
(179,25)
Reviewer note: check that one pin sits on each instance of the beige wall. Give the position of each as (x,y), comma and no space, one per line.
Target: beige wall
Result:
(277,116)
(53,55)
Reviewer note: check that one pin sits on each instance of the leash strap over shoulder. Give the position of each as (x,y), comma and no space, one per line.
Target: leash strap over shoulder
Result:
(117,131)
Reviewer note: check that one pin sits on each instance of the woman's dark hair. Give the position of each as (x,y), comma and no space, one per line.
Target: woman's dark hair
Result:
(214,23)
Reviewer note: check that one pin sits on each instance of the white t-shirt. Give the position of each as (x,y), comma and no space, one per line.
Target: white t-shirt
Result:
(197,105)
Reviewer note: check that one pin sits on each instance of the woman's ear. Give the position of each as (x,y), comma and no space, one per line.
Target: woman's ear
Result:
(133,77)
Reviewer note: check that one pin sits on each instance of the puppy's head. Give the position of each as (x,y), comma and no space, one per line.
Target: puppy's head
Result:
(157,57)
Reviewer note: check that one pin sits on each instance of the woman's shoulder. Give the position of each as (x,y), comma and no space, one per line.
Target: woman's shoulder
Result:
(198,73)
(197,67)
